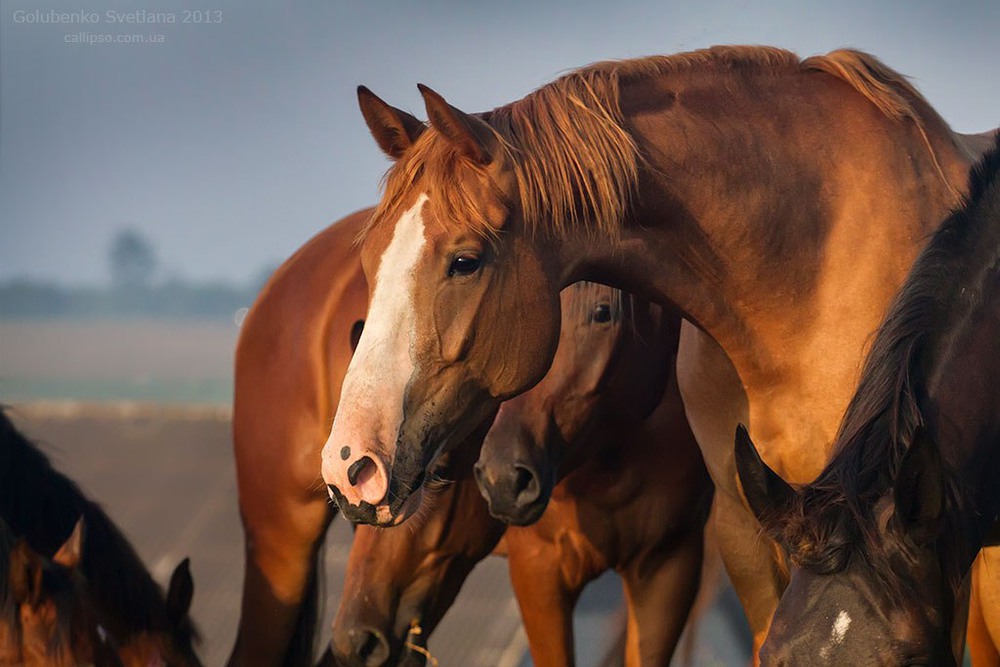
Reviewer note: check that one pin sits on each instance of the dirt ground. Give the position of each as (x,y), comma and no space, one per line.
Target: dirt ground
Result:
(137,412)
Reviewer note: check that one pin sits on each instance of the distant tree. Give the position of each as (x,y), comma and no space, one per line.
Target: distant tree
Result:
(133,260)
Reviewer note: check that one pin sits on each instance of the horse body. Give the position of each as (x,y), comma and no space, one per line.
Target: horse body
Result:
(776,203)
(294,348)
(889,530)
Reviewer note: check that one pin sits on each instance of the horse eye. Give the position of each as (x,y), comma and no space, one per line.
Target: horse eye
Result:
(602,313)
(464,265)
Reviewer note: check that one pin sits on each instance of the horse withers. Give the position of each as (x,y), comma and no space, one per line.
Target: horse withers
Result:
(884,538)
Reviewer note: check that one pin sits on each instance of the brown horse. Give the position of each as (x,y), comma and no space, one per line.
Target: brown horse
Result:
(615,360)
(648,529)
(43,617)
(611,409)
(398,580)
(42,506)
(293,351)
(884,537)
(735,183)
(50,617)
(287,389)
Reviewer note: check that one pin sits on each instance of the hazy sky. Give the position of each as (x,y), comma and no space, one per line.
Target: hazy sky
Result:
(231,143)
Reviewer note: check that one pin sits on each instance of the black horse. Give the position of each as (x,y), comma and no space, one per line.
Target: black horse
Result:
(881,541)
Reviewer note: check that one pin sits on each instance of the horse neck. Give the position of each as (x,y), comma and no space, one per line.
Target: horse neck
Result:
(776,212)
(129,599)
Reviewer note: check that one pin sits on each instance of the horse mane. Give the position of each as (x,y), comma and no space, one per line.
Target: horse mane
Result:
(575,162)
(947,286)
(42,505)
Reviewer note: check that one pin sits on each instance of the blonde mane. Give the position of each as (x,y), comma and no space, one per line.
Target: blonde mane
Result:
(574,161)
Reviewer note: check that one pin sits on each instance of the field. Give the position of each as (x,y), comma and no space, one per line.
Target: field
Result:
(136,360)
(137,412)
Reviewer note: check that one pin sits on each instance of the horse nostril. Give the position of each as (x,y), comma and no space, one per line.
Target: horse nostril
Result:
(370,646)
(357,468)
(526,487)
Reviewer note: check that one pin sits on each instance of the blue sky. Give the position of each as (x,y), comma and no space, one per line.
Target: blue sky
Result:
(231,143)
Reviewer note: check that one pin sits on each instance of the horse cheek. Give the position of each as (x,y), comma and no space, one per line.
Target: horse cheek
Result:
(455,312)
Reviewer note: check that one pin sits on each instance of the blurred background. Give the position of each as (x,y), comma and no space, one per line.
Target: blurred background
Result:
(152,175)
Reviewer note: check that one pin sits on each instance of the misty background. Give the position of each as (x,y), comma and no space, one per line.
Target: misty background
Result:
(229,144)
(161,181)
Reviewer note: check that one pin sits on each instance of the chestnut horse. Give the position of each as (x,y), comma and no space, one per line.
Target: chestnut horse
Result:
(884,537)
(42,505)
(776,202)
(610,410)
(293,351)
(399,580)
(611,397)
(287,388)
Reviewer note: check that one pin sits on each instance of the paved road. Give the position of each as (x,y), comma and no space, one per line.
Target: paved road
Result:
(167,477)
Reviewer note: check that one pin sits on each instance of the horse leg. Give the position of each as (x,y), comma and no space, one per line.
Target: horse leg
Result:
(752,562)
(545,599)
(284,533)
(984,612)
(659,598)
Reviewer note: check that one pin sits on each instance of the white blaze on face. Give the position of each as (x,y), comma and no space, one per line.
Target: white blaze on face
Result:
(837,632)
(371,400)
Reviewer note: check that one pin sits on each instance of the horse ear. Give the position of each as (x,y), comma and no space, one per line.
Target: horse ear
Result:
(394,130)
(473,137)
(69,553)
(768,495)
(356,330)
(180,591)
(918,491)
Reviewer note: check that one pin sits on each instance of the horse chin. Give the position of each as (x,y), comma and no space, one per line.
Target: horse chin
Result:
(409,507)
(379,515)
(414,642)
(522,516)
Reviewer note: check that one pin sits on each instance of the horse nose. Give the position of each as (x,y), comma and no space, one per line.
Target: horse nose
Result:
(355,478)
(514,493)
(526,486)
(369,646)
